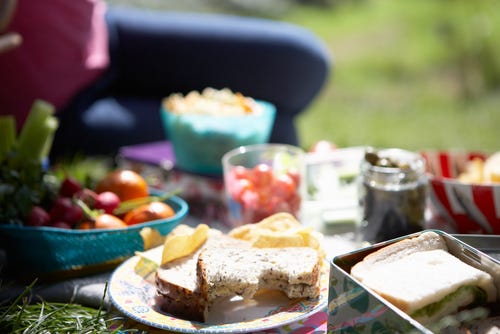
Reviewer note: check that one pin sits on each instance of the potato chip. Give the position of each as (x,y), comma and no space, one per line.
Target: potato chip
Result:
(277,240)
(182,241)
(148,262)
(282,221)
(151,237)
(492,168)
(279,222)
(279,230)
(473,172)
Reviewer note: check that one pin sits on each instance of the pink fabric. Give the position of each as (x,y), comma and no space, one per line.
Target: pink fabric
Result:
(65,48)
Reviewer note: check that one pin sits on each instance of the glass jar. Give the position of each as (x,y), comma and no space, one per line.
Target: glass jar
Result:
(393,194)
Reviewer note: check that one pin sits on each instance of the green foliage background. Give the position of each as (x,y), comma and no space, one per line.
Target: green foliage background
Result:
(412,74)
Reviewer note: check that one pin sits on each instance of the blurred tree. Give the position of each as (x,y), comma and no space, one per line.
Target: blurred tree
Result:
(470,31)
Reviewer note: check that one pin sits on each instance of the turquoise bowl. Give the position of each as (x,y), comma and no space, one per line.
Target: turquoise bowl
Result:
(200,141)
(54,253)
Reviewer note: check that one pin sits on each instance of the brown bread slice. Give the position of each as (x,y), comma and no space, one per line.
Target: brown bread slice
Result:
(227,272)
(177,281)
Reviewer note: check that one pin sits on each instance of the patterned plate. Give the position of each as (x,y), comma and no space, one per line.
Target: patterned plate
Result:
(135,296)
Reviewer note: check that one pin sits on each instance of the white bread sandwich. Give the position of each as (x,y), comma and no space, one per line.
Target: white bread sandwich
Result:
(420,277)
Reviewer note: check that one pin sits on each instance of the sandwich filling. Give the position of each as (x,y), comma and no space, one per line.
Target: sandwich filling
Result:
(467,295)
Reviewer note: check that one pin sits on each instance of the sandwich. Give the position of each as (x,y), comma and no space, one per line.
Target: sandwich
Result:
(177,281)
(229,272)
(224,267)
(420,277)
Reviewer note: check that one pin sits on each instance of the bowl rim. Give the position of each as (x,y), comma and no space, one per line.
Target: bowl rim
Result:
(259,147)
(455,181)
(268,110)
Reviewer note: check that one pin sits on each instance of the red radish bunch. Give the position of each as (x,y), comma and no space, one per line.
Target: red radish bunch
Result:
(64,212)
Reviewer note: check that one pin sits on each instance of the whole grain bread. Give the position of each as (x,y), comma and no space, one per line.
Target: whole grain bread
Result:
(177,281)
(227,272)
(225,266)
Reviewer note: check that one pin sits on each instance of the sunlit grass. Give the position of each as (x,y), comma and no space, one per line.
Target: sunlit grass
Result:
(392,85)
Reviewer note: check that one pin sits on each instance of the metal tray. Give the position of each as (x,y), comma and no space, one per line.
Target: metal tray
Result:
(352,307)
(489,244)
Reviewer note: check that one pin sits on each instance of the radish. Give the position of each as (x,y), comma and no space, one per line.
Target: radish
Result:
(69,187)
(63,209)
(107,201)
(38,217)
(87,196)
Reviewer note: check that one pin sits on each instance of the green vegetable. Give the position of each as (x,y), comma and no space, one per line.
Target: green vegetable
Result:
(37,133)
(7,134)
(478,296)
(23,181)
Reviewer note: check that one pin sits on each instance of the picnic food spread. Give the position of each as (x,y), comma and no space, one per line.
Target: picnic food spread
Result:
(228,265)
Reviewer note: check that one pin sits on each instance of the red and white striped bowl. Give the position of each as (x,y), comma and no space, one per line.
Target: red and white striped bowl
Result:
(473,208)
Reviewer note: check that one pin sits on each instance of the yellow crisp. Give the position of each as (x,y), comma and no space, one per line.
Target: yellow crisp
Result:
(279,230)
(151,237)
(483,172)
(492,168)
(277,222)
(473,172)
(182,241)
(277,240)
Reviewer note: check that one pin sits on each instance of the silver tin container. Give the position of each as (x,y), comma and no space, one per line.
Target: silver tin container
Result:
(353,308)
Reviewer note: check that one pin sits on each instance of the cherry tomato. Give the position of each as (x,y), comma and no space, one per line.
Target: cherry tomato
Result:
(240,172)
(261,192)
(284,186)
(238,187)
(262,175)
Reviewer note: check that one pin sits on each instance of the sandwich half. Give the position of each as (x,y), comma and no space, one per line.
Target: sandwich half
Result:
(177,281)
(229,272)
(420,277)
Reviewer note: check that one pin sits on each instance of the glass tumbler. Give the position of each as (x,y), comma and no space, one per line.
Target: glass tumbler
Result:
(261,180)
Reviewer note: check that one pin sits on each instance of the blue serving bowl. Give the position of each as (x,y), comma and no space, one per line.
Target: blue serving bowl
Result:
(200,141)
(50,252)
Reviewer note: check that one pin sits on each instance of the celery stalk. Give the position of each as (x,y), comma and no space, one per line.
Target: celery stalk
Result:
(7,134)
(51,125)
(37,132)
